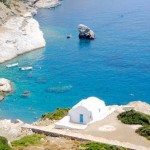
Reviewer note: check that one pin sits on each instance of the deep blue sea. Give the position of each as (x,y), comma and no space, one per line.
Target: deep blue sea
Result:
(114,67)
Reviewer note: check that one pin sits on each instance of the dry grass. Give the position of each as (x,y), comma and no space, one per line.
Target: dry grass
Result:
(54,143)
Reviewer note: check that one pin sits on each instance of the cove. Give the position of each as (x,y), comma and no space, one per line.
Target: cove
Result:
(114,67)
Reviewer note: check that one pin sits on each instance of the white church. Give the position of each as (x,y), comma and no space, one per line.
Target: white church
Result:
(84,113)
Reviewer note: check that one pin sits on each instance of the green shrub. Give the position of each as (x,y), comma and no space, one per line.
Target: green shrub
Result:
(6,2)
(28,140)
(3,1)
(56,115)
(144,131)
(4,144)
(134,117)
(99,146)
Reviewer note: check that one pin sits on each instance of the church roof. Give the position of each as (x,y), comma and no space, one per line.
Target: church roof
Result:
(91,103)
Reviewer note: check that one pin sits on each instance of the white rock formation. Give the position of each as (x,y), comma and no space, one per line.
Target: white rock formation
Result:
(5,85)
(141,106)
(136,105)
(85,32)
(19,35)
(4,13)
(47,3)
(1,97)
(13,131)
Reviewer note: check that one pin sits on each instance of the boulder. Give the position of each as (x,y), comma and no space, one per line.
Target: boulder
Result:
(47,3)
(85,32)
(68,36)
(5,86)
(1,97)
(34,12)
(25,94)
(18,121)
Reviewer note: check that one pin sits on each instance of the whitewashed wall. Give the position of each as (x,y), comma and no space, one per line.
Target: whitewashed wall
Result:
(75,115)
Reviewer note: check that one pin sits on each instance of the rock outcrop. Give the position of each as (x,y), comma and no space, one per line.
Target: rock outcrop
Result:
(4,13)
(19,32)
(5,85)
(1,98)
(85,32)
(13,130)
(136,105)
(19,35)
(47,3)
(11,8)
(140,106)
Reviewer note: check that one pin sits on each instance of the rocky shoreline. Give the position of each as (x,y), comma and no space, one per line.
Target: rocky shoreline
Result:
(19,31)
(26,37)
(5,87)
(19,34)
(47,3)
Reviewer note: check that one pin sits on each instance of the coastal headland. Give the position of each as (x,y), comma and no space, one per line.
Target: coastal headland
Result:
(19,31)
(109,130)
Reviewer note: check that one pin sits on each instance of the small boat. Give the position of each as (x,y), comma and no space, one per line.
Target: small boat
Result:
(12,65)
(26,68)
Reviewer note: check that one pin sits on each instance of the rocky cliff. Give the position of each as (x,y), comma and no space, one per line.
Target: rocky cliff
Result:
(10,8)
(5,13)
(19,35)
(19,32)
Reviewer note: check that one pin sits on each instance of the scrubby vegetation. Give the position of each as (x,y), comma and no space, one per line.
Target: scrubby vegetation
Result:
(30,140)
(3,1)
(134,117)
(43,142)
(4,144)
(6,2)
(99,146)
(56,115)
(144,131)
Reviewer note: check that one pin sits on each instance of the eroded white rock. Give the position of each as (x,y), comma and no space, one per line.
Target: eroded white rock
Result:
(47,3)
(1,97)
(19,35)
(5,85)
(13,131)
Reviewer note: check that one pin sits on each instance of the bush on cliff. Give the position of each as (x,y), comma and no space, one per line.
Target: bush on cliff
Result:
(30,140)
(144,131)
(99,146)
(6,2)
(134,117)
(3,1)
(56,115)
(4,144)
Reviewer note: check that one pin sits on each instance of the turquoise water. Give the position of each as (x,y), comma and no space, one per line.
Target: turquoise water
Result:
(115,67)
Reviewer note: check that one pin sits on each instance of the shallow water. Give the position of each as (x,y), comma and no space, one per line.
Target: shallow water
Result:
(115,67)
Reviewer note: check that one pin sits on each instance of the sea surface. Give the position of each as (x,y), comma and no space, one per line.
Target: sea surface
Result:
(114,67)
